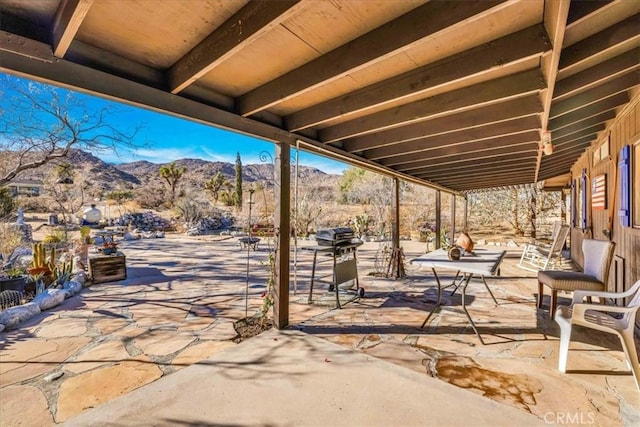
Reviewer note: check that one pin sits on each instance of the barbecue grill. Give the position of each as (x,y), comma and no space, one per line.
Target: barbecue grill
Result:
(337,236)
(340,245)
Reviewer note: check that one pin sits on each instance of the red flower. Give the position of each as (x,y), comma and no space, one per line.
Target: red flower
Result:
(263,294)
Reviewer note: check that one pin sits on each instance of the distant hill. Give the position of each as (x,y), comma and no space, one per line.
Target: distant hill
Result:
(105,177)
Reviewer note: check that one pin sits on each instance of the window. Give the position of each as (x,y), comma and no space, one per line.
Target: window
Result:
(635,184)
(601,152)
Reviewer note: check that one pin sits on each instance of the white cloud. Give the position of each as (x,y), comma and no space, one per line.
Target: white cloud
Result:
(159,155)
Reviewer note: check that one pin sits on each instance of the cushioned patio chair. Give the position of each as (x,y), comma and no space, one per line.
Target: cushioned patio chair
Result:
(599,317)
(598,255)
(539,256)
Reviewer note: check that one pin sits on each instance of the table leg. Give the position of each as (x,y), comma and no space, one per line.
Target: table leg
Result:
(490,293)
(456,285)
(335,281)
(464,307)
(437,306)
(313,274)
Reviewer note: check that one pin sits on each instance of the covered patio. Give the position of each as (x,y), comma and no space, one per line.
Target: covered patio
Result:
(459,96)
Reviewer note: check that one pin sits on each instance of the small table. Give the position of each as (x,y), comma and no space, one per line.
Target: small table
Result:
(250,242)
(481,262)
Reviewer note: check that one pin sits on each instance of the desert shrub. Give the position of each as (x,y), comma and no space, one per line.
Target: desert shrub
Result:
(150,197)
(7,204)
(33,204)
(189,210)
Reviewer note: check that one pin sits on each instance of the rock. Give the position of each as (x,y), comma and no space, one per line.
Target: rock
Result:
(80,277)
(131,236)
(53,376)
(1,327)
(13,316)
(73,287)
(50,298)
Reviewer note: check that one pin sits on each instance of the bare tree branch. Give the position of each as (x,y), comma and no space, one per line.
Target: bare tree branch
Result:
(41,123)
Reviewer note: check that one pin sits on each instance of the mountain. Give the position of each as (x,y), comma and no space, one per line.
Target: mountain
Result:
(102,177)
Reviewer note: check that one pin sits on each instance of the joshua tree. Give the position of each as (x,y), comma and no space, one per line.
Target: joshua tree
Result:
(172,175)
(215,184)
(237,194)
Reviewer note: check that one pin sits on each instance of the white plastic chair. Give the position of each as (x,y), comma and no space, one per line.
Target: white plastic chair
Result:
(538,256)
(596,316)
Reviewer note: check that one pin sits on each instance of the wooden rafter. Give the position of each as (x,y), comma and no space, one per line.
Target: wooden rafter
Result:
(497,54)
(591,110)
(248,24)
(597,75)
(389,39)
(452,139)
(605,90)
(515,108)
(496,145)
(69,17)
(487,93)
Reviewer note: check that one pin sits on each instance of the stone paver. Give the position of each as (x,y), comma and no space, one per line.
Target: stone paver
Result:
(182,297)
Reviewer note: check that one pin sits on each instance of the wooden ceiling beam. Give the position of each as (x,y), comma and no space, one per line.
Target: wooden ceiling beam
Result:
(486,93)
(497,113)
(563,164)
(577,141)
(466,164)
(620,84)
(491,187)
(560,151)
(555,21)
(392,38)
(511,178)
(548,174)
(480,170)
(594,124)
(67,21)
(597,75)
(621,32)
(583,134)
(475,147)
(497,54)
(421,164)
(465,136)
(248,24)
(590,110)
(583,124)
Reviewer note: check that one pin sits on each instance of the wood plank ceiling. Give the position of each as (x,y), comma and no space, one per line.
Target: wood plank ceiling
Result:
(452,93)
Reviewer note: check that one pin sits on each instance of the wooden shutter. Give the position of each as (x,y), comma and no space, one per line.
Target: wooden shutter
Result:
(624,172)
(573,203)
(585,190)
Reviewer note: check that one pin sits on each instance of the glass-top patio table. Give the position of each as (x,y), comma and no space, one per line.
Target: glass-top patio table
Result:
(481,262)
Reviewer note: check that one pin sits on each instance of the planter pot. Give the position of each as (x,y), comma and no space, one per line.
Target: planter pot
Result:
(37,270)
(15,284)
(109,251)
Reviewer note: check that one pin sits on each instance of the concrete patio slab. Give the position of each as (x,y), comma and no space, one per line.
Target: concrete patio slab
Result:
(288,378)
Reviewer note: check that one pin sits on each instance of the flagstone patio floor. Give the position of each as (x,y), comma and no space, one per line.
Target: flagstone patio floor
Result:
(182,296)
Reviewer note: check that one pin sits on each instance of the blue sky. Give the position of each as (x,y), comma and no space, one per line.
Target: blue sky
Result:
(171,138)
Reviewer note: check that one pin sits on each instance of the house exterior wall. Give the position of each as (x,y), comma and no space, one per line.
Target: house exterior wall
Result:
(625,269)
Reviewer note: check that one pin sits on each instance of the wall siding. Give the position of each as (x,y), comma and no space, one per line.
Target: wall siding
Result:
(626,267)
